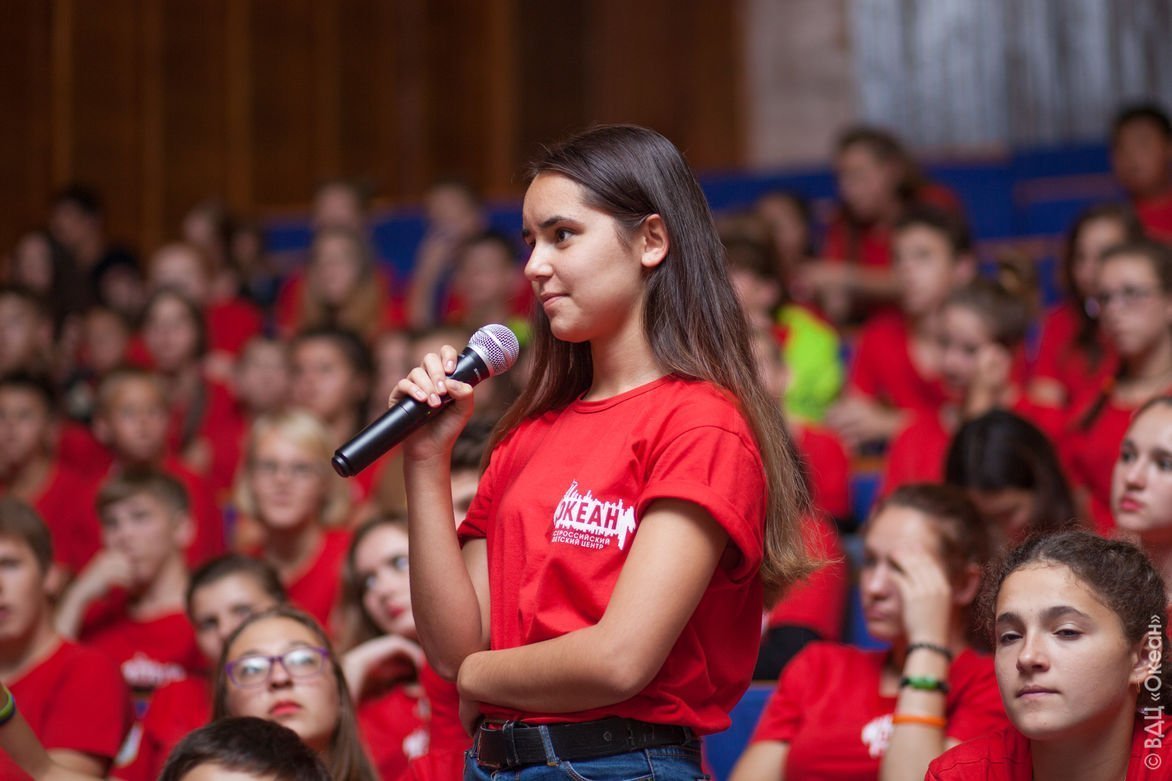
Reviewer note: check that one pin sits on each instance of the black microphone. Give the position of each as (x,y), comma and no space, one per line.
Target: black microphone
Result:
(491,350)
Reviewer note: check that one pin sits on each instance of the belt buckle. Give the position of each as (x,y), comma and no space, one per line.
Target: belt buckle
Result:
(496,727)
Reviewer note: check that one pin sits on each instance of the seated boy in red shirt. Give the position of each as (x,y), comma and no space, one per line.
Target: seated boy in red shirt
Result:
(129,600)
(1141,153)
(983,328)
(72,697)
(131,421)
(220,596)
(896,366)
(29,470)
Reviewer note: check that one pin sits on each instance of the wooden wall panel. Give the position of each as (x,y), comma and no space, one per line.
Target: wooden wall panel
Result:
(162,103)
(284,127)
(194,109)
(105,132)
(25,126)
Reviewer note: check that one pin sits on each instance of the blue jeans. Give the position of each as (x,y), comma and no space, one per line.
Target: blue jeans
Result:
(665,763)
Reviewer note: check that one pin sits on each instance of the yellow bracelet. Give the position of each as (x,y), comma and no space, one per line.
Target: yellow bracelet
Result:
(912,718)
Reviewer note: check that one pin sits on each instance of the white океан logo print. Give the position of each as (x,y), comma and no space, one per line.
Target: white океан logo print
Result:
(587,522)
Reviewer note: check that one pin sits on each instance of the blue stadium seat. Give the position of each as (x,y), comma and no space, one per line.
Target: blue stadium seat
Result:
(723,749)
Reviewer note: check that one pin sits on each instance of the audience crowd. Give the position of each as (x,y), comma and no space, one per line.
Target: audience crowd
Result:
(186,586)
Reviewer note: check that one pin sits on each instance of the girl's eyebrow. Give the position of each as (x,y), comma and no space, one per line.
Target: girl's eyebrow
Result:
(548,222)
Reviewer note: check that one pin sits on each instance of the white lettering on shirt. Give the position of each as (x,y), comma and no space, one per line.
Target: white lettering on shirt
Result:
(582,520)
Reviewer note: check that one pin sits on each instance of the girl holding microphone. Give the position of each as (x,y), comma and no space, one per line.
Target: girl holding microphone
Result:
(640,498)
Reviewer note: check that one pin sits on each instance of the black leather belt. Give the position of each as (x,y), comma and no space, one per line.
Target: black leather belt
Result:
(505,745)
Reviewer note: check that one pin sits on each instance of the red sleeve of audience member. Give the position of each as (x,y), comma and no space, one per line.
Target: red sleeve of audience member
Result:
(836,245)
(866,367)
(829,467)
(99,726)
(231,324)
(820,602)
(916,454)
(1051,421)
(287,307)
(977,708)
(782,716)
(1057,335)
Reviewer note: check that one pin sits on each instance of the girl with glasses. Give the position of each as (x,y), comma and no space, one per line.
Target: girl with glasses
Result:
(289,495)
(1073,351)
(1134,290)
(278,665)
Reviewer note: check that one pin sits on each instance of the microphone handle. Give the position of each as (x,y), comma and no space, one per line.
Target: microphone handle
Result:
(404,419)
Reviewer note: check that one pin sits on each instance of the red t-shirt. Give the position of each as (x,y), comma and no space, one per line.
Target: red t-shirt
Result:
(392,730)
(79,449)
(72,521)
(446,739)
(917,453)
(1090,455)
(205,513)
(883,369)
(75,699)
(315,589)
(827,707)
(175,710)
(871,245)
(829,467)
(1156,216)
(1059,357)
(149,653)
(560,503)
(231,324)
(820,602)
(1005,756)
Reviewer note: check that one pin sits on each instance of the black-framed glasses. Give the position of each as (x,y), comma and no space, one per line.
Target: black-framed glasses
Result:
(255,669)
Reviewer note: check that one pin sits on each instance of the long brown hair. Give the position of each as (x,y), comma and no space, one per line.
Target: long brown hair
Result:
(691,318)
(345,758)
(362,311)
(1159,258)
(354,625)
(1086,340)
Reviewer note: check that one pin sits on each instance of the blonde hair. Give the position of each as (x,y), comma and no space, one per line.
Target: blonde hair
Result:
(306,431)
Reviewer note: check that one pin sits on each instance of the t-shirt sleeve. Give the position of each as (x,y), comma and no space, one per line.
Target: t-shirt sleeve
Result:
(782,718)
(479,517)
(718,470)
(864,373)
(98,725)
(977,709)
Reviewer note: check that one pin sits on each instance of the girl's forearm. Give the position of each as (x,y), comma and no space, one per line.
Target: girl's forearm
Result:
(443,597)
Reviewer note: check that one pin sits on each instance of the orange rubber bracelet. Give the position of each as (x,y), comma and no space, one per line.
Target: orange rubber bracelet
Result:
(926,721)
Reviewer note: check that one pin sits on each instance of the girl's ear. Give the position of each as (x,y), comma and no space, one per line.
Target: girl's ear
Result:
(1143,666)
(967,585)
(653,241)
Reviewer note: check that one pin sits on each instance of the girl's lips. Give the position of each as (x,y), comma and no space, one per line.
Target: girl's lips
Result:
(1130,504)
(285,708)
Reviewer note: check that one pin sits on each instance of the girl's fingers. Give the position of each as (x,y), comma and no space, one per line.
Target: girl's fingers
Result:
(449,355)
(434,367)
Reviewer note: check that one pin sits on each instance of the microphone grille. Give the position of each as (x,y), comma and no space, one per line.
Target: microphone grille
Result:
(498,345)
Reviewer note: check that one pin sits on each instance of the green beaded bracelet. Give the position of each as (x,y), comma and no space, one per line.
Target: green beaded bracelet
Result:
(9,709)
(923,683)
